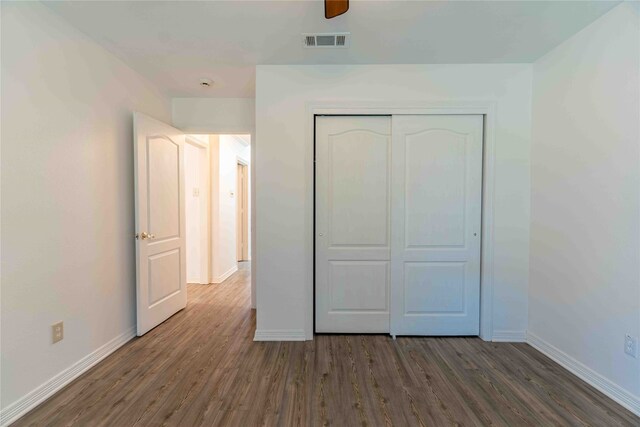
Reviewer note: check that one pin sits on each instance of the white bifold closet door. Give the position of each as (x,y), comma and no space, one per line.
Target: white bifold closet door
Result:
(398,218)
(436,208)
(352,223)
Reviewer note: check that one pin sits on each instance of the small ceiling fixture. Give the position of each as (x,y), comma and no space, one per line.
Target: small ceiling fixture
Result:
(206,82)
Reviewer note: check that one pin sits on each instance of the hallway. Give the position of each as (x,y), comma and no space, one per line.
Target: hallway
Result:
(201,367)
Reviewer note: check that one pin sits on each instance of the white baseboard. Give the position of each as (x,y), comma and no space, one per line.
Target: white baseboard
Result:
(23,405)
(509,336)
(226,275)
(606,386)
(280,335)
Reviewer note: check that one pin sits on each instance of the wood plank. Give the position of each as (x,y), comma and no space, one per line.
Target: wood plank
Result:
(202,368)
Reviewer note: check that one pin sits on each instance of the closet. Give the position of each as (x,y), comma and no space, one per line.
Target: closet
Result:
(397,224)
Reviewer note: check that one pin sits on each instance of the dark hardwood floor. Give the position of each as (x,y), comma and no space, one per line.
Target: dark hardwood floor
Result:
(201,367)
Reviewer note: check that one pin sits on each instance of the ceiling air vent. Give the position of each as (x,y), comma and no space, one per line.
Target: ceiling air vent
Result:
(328,40)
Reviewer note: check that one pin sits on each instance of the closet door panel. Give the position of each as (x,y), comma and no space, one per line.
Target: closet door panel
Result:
(436,216)
(352,223)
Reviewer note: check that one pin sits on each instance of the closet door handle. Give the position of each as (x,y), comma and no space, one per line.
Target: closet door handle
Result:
(144,236)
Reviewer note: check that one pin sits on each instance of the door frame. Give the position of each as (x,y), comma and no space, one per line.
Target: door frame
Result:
(205,208)
(245,199)
(486,108)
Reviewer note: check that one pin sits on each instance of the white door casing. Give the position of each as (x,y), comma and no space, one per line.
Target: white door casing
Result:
(160,221)
(436,208)
(242,223)
(352,224)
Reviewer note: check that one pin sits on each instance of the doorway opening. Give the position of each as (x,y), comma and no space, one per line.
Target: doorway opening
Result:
(218,207)
(185,216)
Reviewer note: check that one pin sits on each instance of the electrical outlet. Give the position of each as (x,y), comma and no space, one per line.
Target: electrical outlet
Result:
(631,345)
(57,331)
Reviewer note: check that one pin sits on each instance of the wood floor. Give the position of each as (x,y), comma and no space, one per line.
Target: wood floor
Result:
(201,367)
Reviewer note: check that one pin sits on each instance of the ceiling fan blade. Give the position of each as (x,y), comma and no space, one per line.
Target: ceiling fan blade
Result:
(333,8)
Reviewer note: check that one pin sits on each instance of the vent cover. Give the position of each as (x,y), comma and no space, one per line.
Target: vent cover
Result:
(326,40)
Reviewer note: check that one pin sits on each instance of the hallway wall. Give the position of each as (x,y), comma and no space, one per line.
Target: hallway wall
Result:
(193,206)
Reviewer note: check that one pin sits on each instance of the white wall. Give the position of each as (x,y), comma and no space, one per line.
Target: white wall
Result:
(584,290)
(226,151)
(214,115)
(67,195)
(284,250)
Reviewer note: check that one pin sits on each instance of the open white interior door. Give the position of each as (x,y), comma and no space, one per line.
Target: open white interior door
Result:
(160,221)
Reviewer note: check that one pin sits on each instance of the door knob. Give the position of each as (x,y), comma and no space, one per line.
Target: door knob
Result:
(144,236)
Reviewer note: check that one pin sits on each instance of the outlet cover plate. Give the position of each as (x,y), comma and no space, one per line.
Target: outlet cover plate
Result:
(631,345)
(57,332)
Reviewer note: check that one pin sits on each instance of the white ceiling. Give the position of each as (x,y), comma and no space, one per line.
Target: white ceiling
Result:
(175,43)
